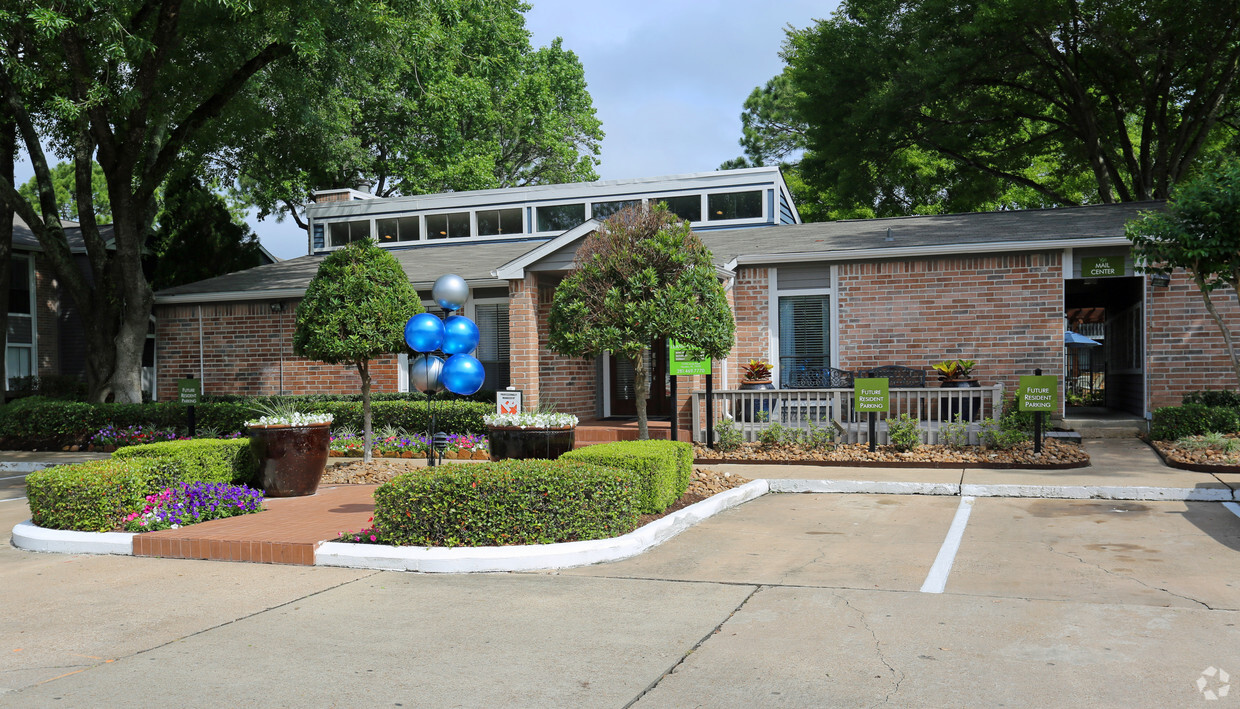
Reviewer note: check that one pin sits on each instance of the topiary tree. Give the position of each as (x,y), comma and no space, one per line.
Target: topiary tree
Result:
(355,309)
(1199,231)
(643,277)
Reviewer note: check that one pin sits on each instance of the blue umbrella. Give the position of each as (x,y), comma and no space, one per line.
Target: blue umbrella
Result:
(1075,339)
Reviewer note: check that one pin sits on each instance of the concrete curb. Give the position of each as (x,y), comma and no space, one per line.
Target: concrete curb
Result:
(533,557)
(863,487)
(28,536)
(1101,492)
(11,466)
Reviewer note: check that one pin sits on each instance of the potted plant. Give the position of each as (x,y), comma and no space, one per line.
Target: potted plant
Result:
(291,448)
(955,374)
(755,375)
(531,434)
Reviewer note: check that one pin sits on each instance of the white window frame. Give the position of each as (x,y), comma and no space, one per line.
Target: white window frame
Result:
(775,293)
(760,219)
(535,206)
(33,345)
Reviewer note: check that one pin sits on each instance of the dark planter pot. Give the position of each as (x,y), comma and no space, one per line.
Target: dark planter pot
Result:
(291,459)
(968,406)
(756,409)
(513,443)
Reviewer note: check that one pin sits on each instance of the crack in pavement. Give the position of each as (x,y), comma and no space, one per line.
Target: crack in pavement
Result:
(1135,580)
(878,650)
(698,644)
(90,666)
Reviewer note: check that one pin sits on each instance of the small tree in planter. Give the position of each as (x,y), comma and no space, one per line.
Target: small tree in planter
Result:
(644,277)
(355,310)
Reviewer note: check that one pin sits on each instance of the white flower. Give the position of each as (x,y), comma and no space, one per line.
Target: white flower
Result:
(530,420)
(297,419)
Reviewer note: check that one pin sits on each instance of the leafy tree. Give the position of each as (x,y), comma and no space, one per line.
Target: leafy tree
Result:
(943,105)
(643,277)
(146,87)
(198,237)
(1199,231)
(62,176)
(355,310)
(459,100)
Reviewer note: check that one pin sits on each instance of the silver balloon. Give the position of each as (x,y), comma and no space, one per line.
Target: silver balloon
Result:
(450,291)
(425,374)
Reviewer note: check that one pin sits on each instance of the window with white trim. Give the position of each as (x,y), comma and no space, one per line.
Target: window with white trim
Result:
(19,355)
(804,335)
(344,233)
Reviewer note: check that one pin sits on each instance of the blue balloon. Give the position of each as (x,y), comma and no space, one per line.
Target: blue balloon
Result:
(424,333)
(460,335)
(462,374)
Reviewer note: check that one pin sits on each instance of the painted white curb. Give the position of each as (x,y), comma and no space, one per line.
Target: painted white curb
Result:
(1101,492)
(28,536)
(865,487)
(535,556)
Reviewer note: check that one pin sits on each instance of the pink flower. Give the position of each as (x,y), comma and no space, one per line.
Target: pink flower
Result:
(372,538)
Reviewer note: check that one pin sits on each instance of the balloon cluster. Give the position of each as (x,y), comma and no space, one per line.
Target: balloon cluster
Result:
(457,336)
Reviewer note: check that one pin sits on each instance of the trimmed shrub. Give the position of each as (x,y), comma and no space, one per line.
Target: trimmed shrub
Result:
(664,467)
(1225,397)
(1174,422)
(94,496)
(904,432)
(208,460)
(509,502)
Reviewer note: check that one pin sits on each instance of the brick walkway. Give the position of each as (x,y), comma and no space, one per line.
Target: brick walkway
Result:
(287,532)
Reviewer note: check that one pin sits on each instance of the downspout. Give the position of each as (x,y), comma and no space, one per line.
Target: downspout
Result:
(202,368)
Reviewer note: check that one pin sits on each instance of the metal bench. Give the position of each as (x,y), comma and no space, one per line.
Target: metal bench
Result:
(898,377)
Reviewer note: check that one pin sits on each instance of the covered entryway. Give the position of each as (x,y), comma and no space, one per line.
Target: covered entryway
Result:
(622,385)
(1109,377)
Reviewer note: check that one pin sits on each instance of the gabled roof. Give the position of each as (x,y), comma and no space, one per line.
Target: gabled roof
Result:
(516,267)
(25,240)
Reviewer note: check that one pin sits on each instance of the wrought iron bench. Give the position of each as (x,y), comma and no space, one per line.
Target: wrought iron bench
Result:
(825,378)
(898,377)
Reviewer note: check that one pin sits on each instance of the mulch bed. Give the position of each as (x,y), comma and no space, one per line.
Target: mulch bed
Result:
(1056,455)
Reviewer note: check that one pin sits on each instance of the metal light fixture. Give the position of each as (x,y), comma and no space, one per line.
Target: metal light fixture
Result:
(277,307)
(1161,280)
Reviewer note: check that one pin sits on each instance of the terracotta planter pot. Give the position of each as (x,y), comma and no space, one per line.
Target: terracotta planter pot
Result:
(511,442)
(291,459)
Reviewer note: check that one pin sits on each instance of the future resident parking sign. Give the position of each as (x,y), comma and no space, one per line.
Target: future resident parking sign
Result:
(871,394)
(1038,393)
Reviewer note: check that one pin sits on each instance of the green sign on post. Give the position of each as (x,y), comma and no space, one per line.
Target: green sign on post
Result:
(682,364)
(1038,393)
(871,394)
(188,390)
(1101,266)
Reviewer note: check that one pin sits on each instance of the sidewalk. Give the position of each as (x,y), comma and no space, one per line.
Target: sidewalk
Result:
(294,529)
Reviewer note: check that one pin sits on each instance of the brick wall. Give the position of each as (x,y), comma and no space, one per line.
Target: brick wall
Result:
(248,349)
(750,299)
(1006,312)
(570,384)
(1185,350)
(524,371)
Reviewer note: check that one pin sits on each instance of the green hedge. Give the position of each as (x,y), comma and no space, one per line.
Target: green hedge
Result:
(509,502)
(664,467)
(94,496)
(37,422)
(1174,422)
(209,460)
(1225,397)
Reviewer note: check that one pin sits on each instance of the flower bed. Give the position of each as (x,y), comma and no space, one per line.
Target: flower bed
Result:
(1054,454)
(109,438)
(461,446)
(190,503)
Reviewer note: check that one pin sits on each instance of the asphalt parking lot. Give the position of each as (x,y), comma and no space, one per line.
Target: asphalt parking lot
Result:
(788,600)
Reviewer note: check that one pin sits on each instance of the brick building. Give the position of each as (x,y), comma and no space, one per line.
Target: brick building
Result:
(994,287)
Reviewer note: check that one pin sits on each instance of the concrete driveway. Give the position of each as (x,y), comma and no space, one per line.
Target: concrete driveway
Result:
(789,600)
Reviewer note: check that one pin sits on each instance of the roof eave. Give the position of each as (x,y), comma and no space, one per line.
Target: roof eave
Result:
(933,250)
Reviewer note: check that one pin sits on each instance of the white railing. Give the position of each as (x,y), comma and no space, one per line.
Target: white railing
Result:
(753,411)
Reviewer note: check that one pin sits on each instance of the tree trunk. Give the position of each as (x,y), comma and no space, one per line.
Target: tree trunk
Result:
(1222,326)
(641,390)
(363,368)
(8,148)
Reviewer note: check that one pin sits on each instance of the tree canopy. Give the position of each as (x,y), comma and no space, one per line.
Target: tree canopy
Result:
(355,310)
(958,106)
(198,237)
(1199,231)
(457,100)
(62,176)
(642,278)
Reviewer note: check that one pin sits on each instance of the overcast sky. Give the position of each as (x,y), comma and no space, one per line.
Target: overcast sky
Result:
(668,79)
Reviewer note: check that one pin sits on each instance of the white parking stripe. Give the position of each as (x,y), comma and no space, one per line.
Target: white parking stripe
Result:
(12,499)
(12,477)
(1235,508)
(936,580)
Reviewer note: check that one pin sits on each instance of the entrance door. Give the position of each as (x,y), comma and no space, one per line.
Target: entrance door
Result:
(1111,375)
(624,385)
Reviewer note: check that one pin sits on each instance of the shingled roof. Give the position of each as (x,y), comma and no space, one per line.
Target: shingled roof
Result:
(475,261)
